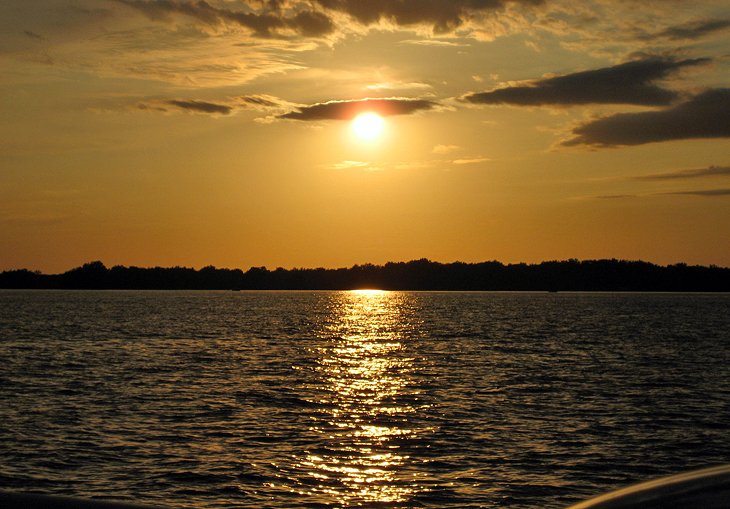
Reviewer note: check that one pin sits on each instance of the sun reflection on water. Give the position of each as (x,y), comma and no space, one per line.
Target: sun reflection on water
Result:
(365,392)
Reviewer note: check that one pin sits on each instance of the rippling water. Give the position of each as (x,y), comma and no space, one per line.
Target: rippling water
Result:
(348,399)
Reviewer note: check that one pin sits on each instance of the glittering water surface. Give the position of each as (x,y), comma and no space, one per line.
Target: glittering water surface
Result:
(348,399)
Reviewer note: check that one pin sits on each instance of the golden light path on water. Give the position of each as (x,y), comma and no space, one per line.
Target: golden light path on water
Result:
(366,394)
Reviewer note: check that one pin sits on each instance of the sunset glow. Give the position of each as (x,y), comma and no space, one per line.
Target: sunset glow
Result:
(368,126)
(368,291)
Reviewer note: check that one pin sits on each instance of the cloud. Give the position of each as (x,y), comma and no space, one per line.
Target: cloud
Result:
(201,106)
(690,31)
(372,167)
(710,171)
(32,34)
(113,39)
(610,28)
(145,107)
(441,15)
(703,192)
(434,42)
(311,23)
(445,149)
(261,102)
(347,110)
(627,83)
(399,85)
(707,115)
(272,22)
(473,160)
(346,165)
(615,196)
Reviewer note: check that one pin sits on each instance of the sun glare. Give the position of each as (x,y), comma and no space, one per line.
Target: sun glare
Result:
(368,126)
(368,291)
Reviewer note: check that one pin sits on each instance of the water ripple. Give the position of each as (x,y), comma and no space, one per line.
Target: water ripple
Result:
(358,399)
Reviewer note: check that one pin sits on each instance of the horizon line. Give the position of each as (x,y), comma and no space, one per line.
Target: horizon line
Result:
(371,264)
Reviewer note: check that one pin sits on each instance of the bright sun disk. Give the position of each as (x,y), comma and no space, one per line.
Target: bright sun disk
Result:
(368,126)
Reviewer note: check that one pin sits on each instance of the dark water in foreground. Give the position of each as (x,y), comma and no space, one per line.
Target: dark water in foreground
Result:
(343,399)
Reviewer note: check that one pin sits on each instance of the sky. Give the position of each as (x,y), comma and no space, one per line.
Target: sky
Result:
(219,132)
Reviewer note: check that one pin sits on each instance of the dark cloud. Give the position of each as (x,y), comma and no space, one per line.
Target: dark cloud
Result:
(220,107)
(347,110)
(690,31)
(615,196)
(442,15)
(704,116)
(707,193)
(162,9)
(703,192)
(311,23)
(32,35)
(150,107)
(201,106)
(266,24)
(711,171)
(259,101)
(627,83)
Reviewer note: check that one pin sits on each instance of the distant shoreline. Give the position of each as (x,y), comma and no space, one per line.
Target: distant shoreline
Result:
(551,276)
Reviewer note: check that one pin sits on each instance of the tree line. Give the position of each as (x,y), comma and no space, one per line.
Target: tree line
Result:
(567,275)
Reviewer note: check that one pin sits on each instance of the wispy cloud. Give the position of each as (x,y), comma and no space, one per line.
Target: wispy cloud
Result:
(615,196)
(346,165)
(472,160)
(703,192)
(610,28)
(399,85)
(628,83)
(269,23)
(441,15)
(690,31)
(435,43)
(710,171)
(347,110)
(226,106)
(706,115)
(445,149)
(201,106)
(263,102)
(32,34)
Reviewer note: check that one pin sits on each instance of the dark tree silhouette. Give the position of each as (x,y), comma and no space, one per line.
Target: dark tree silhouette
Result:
(568,275)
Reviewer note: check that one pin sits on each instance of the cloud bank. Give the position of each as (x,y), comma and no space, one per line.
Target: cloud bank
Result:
(628,83)
(347,110)
(705,116)
(316,18)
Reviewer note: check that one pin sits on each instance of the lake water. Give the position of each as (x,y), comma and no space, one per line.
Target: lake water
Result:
(349,399)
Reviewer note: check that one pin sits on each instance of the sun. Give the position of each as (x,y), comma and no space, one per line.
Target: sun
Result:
(368,126)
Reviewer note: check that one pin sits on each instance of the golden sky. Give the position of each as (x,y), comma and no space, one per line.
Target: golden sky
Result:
(177,132)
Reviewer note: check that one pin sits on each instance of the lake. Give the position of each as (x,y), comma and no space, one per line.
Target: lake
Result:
(358,399)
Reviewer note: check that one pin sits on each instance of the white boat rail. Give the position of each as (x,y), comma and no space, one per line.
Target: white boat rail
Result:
(708,488)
